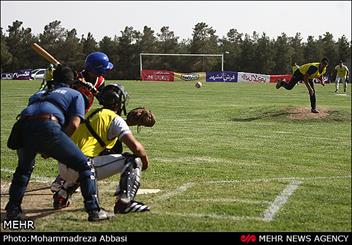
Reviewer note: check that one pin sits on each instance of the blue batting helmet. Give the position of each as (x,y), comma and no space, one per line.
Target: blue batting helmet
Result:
(98,63)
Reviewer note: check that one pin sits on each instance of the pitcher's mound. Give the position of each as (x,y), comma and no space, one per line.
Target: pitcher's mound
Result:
(302,113)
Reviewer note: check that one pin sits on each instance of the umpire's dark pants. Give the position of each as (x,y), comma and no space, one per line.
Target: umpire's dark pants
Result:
(296,77)
(47,137)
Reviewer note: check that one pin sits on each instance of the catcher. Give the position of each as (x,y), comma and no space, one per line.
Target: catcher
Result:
(97,136)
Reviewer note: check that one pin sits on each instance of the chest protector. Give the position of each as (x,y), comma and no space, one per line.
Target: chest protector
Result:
(100,122)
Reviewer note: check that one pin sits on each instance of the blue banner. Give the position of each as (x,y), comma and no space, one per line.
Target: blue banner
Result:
(226,76)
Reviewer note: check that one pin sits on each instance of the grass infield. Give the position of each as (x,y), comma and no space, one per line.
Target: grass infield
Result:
(226,157)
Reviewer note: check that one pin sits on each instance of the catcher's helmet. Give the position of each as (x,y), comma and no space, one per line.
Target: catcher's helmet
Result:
(98,63)
(114,96)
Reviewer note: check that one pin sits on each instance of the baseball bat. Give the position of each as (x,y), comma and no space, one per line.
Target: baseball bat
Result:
(45,54)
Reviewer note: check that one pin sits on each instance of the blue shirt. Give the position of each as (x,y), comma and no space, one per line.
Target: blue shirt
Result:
(62,102)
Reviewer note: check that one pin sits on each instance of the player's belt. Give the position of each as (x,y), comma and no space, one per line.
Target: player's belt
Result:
(41,117)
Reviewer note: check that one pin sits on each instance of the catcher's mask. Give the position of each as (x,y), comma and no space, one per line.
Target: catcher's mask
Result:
(114,96)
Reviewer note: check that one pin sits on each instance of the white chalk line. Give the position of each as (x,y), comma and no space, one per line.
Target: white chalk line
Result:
(266,215)
(177,191)
(38,179)
(47,180)
(212,216)
(280,201)
(204,160)
(277,178)
(231,200)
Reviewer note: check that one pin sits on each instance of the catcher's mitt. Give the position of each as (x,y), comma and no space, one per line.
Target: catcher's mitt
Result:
(140,116)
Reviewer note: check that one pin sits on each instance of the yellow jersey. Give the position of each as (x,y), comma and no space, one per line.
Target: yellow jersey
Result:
(341,71)
(49,73)
(312,67)
(100,123)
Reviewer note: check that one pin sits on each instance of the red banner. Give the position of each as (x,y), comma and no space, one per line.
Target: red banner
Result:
(157,75)
(275,78)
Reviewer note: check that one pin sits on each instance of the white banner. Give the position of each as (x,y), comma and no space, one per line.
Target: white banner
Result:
(252,77)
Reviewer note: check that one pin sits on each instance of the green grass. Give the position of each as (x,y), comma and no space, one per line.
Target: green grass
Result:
(238,133)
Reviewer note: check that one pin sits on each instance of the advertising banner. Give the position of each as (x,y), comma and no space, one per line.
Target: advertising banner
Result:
(157,75)
(252,77)
(226,76)
(275,78)
(194,76)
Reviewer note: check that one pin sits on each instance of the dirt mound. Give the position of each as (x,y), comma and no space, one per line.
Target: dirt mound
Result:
(37,202)
(302,113)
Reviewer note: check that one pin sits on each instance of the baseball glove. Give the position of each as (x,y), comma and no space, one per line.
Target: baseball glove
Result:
(140,116)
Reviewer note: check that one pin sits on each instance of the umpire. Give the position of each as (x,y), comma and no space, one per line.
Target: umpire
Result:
(47,123)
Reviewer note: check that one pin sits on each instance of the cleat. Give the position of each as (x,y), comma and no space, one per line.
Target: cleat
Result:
(61,199)
(14,214)
(314,111)
(60,202)
(278,84)
(97,215)
(134,206)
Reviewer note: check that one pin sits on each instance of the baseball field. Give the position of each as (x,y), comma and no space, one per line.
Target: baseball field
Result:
(223,157)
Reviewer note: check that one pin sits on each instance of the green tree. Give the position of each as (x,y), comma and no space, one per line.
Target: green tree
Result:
(231,48)
(204,41)
(128,63)
(89,44)
(283,54)
(330,51)
(147,43)
(6,56)
(52,39)
(264,55)
(312,50)
(109,46)
(167,43)
(298,50)
(344,50)
(247,55)
(70,50)
(19,42)
(183,62)
(53,36)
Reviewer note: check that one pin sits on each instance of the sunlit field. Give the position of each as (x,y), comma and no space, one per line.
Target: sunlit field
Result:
(225,157)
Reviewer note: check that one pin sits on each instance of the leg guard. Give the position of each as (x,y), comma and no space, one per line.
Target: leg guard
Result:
(130,179)
(89,188)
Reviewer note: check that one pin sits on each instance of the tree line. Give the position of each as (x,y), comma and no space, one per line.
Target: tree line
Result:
(256,53)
